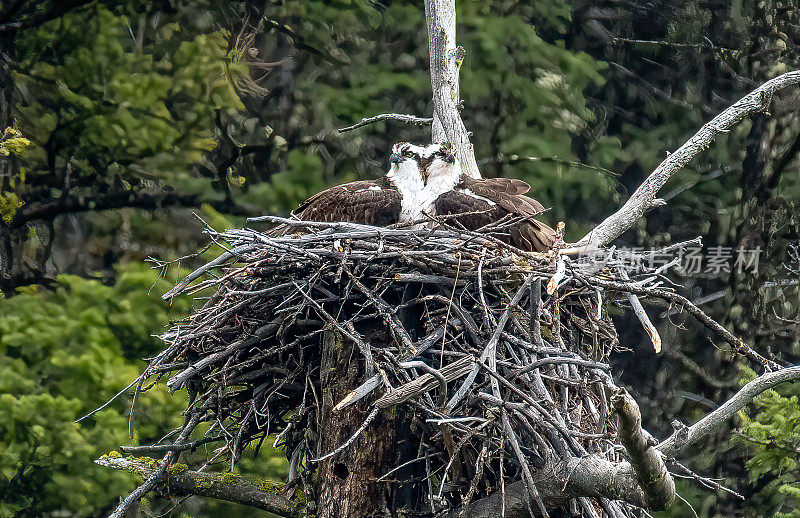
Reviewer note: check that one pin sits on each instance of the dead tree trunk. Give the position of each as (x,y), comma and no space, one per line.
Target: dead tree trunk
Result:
(446,59)
(347,481)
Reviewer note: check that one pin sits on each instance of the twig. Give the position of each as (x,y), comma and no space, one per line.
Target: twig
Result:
(490,345)
(160,448)
(371,417)
(156,476)
(641,314)
(693,310)
(400,117)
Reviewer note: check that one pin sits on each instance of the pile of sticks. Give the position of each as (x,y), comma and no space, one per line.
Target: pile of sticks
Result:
(499,356)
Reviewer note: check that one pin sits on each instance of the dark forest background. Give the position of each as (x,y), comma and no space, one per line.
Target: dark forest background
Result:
(124,123)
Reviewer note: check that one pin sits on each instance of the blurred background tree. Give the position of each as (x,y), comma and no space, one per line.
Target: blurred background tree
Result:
(121,119)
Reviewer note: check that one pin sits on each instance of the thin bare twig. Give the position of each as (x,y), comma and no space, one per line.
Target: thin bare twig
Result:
(400,117)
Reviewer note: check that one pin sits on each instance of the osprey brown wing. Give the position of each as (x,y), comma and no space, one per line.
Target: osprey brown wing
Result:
(505,192)
(366,202)
(476,203)
(468,211)
(532,235)
(511,186)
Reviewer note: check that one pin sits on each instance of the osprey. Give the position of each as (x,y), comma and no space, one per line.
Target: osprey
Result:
(475,203)
(393,198)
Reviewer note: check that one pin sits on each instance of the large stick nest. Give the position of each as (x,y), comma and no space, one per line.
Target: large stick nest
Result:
(454,330)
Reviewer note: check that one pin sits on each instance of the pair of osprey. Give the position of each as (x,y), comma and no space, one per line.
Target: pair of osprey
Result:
(427,182)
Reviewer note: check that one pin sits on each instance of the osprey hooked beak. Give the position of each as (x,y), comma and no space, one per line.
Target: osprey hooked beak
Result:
(447,153)
(394,158)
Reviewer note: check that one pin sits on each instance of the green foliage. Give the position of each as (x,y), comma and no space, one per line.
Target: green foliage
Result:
(122,106)
(238,107)
(63,354)
(9,204)
(12,144)
(534,90)
(772,435)
(116,100)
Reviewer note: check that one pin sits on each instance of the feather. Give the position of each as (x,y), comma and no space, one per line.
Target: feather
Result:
(367,202)
(477,203)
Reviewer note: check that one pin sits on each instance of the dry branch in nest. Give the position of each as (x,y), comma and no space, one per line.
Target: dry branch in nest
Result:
(433,371)
(488,377)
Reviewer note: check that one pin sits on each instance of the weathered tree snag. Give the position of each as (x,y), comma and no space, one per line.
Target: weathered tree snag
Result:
(446,59)
(346,482)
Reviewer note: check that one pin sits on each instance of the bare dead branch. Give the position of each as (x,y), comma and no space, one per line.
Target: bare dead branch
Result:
(699,314)
(158,473)
(446,59)
(641,314)
(644,197)
(43,211)
(163,448)
(425,383)
(236,489)
(400,117)
(680,441)
(571,478)
(651,472)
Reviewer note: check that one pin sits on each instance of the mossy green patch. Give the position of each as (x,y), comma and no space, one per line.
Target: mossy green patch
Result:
(268,486)
(177,469)
(230,477)
(205,481)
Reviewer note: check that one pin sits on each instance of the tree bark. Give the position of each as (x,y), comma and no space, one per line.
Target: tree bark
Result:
(7,164)
(229,487)
(347,486)
(446,59)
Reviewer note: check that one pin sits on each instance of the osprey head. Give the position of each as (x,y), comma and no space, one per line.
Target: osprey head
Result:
(438,162)
(404,169)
